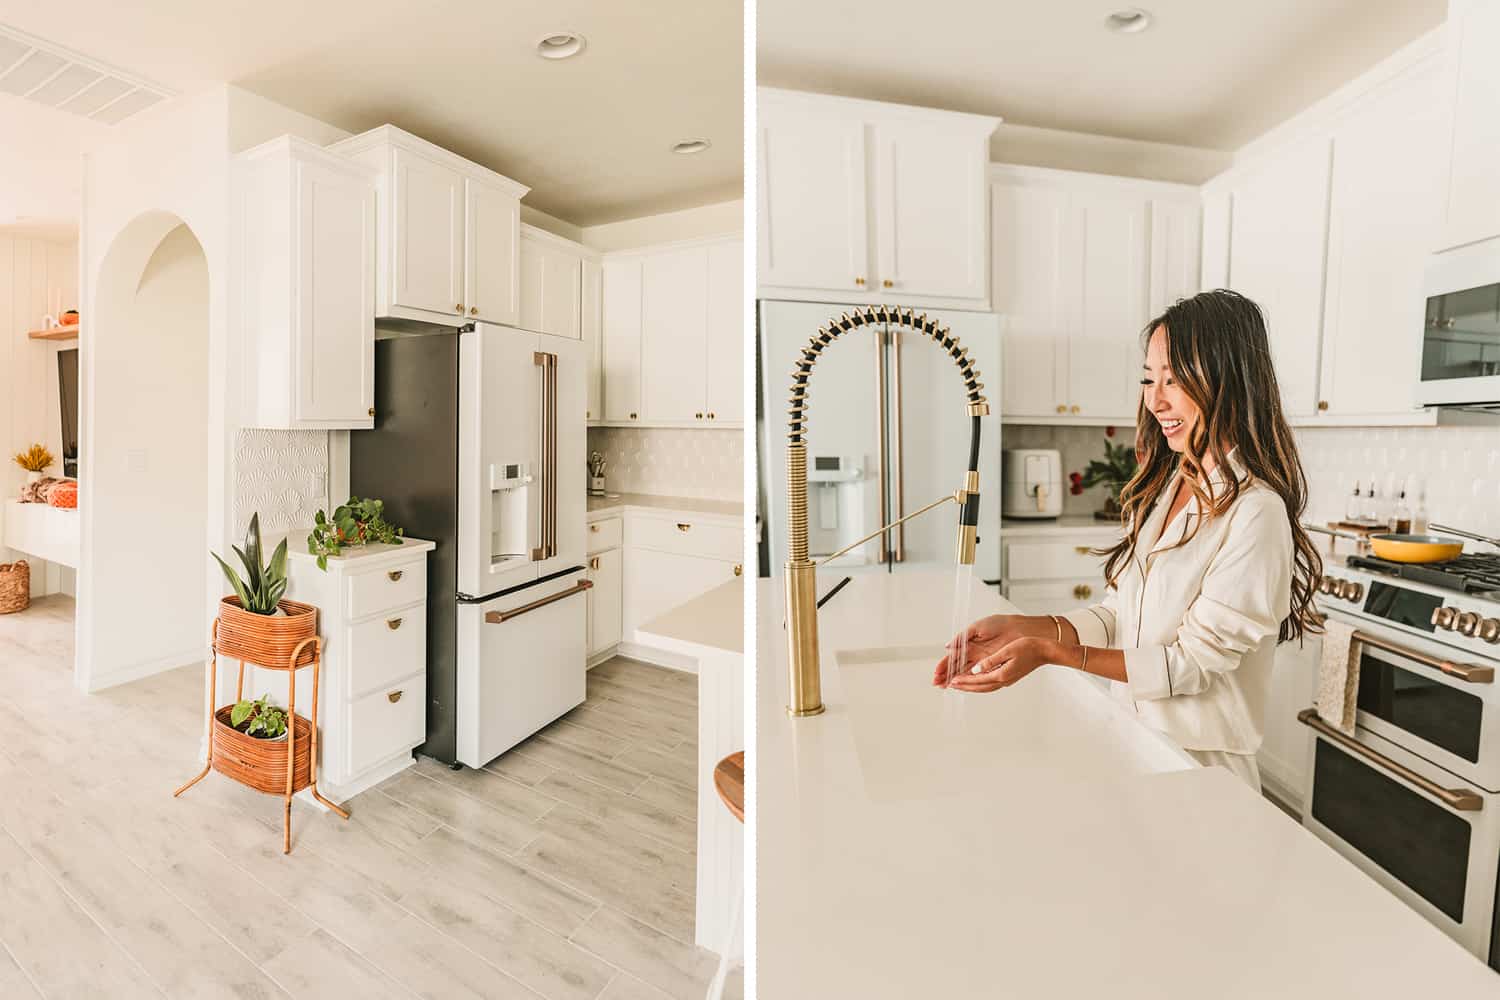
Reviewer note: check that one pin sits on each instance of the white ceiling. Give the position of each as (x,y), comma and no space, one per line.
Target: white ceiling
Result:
(590,135)
(1208,73)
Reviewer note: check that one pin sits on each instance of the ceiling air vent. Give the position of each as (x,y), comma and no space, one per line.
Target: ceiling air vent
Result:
(49,74)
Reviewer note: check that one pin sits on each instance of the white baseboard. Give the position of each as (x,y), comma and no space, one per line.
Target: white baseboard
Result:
(657,657)
(392,765)
(602,655)
(135,672)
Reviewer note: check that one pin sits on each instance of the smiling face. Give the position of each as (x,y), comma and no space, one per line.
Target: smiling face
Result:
(1164,397)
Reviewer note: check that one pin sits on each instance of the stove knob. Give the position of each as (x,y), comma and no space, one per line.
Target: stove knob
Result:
(1466,622)
(1353,591)
(1443,617)
(1489,630)
(1326,584)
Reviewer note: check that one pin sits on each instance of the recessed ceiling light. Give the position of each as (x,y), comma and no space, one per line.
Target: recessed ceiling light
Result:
(560,45)
(689,146)
(1128,21)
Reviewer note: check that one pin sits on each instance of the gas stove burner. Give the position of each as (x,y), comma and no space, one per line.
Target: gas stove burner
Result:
(1470,573)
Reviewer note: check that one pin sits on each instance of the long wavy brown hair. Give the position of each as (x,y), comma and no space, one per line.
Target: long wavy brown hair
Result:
(1221,357)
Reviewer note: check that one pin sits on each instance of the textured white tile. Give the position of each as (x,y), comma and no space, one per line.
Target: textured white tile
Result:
(1078,445)
(283,475)
(679,462)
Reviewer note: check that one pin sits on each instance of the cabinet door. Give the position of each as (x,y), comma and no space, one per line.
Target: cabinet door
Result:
(929,211)
(725,333)
(673,347)
(1473,204)
(811,191)
(1276,257)
(492,226)
(533,281)
(656,582)
(334,366)
(562,293)
(622,338)
(1382,216)
(428,236)
(1028,225)
(604,629)
(1174,253)
(592,327)
(1104,345)
(1215,254)
(1286,749)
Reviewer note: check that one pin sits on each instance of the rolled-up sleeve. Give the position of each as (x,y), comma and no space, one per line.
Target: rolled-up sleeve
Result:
(1246,592)
(1095,624)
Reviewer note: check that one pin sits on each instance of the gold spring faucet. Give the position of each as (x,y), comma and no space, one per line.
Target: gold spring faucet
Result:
(801,571)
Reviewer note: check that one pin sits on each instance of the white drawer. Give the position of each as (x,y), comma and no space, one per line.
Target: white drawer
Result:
(1051,561)
(686,537)
(605,533)
(385,648)
(1055,596)
(380,726)
(377,591)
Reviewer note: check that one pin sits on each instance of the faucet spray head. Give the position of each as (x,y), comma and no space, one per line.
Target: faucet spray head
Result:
(968,519)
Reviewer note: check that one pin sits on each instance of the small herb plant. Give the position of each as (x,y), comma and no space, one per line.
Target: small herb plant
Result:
(258,718)
(1112,472)
(358,522)
(263,585)
(34,459)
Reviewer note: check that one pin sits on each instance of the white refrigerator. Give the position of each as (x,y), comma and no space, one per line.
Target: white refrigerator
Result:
(887,432)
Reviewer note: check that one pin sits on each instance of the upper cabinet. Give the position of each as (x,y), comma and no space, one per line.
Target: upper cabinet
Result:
(1081,263)
(1471,202)
(448,233)
(302,291)
(914,234)
(551,284)
(592,329)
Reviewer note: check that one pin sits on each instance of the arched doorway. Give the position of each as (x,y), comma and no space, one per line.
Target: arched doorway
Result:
(143,456)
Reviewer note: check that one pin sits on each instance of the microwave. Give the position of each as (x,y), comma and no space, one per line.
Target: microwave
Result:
(1460,363)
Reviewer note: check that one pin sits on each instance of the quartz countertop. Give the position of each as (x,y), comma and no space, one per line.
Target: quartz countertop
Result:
(1035,842)
(713,620)
(1072,524)
(648,501)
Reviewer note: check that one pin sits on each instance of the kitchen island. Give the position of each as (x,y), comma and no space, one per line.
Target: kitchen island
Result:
(1035,842)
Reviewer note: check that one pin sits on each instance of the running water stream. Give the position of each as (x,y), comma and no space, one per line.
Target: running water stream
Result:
(963,591)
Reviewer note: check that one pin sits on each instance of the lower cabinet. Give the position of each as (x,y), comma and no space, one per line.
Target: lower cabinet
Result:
(605,609)
(656,582)
(1051,571)
(1285,757)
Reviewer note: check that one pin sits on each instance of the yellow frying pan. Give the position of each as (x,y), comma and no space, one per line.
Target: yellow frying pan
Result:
(1415,548)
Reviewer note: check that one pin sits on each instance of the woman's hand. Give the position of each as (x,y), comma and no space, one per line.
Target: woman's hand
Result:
(987,636)
(1008,664)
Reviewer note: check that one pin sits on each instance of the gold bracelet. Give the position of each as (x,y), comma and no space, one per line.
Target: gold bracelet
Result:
(1057,622)
(1084,666)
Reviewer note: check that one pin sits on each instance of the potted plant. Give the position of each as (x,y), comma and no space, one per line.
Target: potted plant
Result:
(357,522)
(1112,472)
(256,624)
(35,461)
(259,719)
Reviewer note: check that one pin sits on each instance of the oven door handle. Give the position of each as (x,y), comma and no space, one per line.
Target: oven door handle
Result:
(1460,799)
(1463,671)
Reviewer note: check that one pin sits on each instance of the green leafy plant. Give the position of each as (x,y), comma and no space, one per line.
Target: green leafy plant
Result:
(263,585)
(1112,472)
(258,718)
(358,522)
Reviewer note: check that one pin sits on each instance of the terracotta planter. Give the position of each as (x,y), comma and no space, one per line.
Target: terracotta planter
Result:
(267,640)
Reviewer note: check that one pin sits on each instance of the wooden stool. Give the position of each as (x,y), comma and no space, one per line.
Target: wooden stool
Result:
(729,782)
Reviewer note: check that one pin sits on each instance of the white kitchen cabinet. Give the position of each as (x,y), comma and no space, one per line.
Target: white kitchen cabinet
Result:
(724,389)
(1472,197)
(492,233)
(1079,265)
(674,342)
(621,338)
(918,238)
(447,232)
(605,601)
(592,328)
(1047,569)
(551,284)
(670,557)
(1385,205)
(656,582)
(304,273)
(1285,756)
(1276,258)
(1215,241)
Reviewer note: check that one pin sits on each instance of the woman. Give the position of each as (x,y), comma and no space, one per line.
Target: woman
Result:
(1214,568)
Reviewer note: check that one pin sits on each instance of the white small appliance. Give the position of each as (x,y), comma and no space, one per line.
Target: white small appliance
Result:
(1460,345)
(1031,482)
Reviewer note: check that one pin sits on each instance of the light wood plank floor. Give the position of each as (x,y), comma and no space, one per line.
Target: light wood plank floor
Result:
(564,870)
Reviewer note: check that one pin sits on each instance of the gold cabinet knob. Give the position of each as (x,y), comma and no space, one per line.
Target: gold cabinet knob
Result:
(1061,408)
(1073,408)
(1322,404)
(1083,591)
(372,411)
(394,575)
(594,528)
(588,414)
(860,282)
(394,696)
(632,416)
(684,527)
(393,623)
(698,416)
(1082,550)
(739,569)
(473,310)
(888,283)
(711,415)
(594,563)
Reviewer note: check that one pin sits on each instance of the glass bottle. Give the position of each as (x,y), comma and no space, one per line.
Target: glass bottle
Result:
(1419,516)
(1372,506)
(1401,515)
(1353,508)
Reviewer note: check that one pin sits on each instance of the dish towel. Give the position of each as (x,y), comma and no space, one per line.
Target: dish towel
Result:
(1338,676)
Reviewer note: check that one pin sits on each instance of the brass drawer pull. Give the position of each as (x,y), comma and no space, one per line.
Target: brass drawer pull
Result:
(395,574)
(739,569)
(393,623)
(594,528)
(1083,591)
(684,527)
(1082,550)
(594,563)
(473,310)
(394,696)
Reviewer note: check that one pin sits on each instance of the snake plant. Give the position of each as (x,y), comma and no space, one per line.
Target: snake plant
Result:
(263,585)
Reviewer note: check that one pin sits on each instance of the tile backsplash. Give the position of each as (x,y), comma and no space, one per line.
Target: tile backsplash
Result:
(283,475)
(1078,446)
(679,462)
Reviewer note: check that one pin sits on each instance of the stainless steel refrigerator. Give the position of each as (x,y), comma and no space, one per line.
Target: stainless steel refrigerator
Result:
(479,445)
(888,432)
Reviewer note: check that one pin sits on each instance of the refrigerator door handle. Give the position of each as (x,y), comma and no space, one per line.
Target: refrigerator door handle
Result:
(546,365)
(501,617)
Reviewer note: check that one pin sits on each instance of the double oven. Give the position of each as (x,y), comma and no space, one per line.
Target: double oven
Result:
(1413,796)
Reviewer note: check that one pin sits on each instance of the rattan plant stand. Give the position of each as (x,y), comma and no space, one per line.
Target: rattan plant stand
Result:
(276,767)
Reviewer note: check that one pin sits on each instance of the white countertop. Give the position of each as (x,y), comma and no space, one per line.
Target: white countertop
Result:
(352,555)
(652,502)
(1016,527)
(1036,842)
(714,620)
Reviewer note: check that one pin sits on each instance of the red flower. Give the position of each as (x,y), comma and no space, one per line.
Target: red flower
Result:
(1109,432)
(1075,483)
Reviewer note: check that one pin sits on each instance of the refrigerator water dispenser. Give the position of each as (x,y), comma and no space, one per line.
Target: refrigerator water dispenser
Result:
(510,510)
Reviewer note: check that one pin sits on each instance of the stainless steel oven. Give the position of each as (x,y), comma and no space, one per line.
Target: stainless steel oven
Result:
(1461,328)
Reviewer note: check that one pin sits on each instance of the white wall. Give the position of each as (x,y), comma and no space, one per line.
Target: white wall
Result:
(691,223)
(1102,154)
(37,278)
